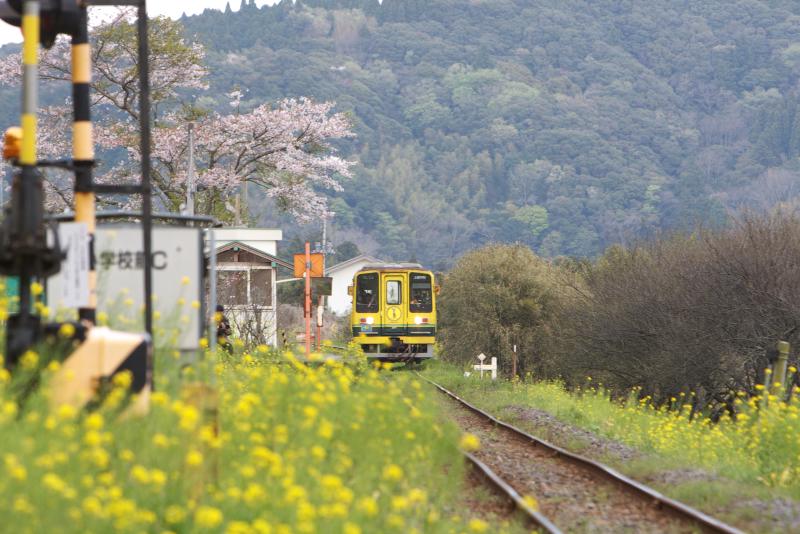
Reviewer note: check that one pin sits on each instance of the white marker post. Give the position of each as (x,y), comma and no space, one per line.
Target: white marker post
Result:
(482,367)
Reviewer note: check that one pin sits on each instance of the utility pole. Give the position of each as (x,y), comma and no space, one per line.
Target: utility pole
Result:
(190,187)
(321,301)
(307,300)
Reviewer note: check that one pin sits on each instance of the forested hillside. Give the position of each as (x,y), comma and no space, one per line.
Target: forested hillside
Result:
(566,125)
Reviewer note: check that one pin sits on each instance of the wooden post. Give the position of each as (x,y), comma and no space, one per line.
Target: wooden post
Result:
(308,300)
(514,362)
(779,373)
(319,321)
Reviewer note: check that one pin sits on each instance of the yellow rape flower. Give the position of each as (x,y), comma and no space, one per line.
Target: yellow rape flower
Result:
(18,472)
(23,506)
(207,517)
(400,503)
(393,472)
(174,514)
(37,289)
(160,440)
(140,474)
(53,482)
(469,442)
(194,458)
(122,379)
(159,398)
(238,527)
(325,430)
(368,506)
(95,421)
(29,360)
(67,330)
(478,525)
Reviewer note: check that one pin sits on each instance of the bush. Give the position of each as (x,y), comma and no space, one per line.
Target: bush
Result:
(497,297)
(690,313)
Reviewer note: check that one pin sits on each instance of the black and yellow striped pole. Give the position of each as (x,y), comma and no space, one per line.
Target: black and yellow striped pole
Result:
(28,172)
(30,83)
(83,149)
(25,252)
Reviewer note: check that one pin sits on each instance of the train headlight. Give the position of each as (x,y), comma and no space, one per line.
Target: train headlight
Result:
(417,320)
(370,320)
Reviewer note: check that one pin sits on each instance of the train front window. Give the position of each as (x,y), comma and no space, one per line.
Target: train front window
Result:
(367,293)
(421,293)
(393,291)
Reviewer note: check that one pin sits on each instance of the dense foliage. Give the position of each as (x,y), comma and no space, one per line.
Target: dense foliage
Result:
(564,125)
(697,313)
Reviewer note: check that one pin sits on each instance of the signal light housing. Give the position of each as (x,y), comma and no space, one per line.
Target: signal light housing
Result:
(56,17)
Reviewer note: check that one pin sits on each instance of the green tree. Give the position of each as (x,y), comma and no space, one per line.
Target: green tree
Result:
(497,297)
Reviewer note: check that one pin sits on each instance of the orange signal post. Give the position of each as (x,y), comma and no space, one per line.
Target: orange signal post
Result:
(308,300)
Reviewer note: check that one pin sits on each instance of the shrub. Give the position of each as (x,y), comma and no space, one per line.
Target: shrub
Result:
(497,297)
(690,313)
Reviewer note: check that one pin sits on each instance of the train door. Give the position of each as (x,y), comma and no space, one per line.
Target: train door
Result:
(394,316)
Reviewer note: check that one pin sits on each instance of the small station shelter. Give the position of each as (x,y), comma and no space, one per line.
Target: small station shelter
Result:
(246,279)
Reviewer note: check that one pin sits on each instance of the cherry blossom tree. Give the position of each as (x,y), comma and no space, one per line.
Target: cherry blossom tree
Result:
(282,147)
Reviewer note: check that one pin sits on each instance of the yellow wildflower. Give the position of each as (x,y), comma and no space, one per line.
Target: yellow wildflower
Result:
(95,421)
(469,442)
(174,514)
(393,472)
(67,330)
(194,458)
(478,525)
(37,289)
(207,517)
(368,506)
(29,360)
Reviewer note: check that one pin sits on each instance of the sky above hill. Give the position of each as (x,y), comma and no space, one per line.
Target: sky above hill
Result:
(170,8)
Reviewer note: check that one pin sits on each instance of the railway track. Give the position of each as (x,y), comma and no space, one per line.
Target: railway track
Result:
(575,494)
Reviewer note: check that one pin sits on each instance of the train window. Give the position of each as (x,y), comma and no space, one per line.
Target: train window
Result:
(367,293)
(393,292)
(421,293)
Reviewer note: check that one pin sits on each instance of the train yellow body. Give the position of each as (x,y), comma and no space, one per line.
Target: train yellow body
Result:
(394,311)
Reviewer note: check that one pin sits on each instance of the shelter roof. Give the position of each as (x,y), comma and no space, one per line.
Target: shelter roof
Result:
(349,263)
(256,252)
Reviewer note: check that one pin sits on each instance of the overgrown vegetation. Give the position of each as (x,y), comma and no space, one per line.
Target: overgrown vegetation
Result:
(254,443)
(690,313)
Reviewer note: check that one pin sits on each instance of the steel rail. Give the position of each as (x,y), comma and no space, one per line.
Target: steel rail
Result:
(503,486)
(664,502)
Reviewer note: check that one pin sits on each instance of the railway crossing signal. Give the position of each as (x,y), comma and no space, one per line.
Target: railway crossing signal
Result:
(24,248)
(55,17)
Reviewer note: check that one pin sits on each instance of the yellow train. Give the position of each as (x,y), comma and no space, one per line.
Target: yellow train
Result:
(394,311)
